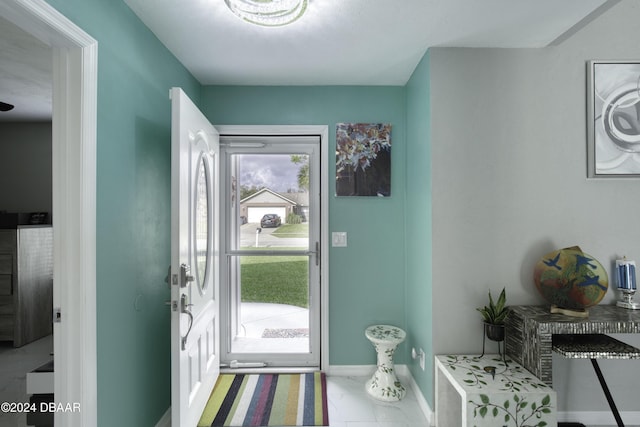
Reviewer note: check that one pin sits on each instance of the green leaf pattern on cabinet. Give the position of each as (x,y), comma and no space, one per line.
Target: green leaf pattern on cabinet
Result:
(502,393)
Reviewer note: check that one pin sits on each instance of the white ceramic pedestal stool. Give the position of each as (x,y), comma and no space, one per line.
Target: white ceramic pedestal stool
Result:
(384,384)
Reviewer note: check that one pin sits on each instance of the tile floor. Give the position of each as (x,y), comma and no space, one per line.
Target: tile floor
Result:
(349,404)
(14,365)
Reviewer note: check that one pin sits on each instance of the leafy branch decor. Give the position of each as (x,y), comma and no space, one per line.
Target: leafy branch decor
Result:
(503,377)
(491,391)
(363,159)
(519,414)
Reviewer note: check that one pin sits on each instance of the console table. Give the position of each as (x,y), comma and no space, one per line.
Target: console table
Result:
(529,331)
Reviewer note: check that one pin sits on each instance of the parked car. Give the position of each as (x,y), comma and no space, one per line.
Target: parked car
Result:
(270,220)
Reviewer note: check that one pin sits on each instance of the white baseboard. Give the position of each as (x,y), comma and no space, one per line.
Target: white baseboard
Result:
(351,370)
(604,418)
(165,421)
(403,373)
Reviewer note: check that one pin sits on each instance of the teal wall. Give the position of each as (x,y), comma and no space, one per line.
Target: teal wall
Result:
(366,279)
(418,217)
(135,72)
(386,273)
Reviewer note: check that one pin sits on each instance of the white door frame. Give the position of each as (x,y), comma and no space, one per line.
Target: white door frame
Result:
(323,131)
(74,202)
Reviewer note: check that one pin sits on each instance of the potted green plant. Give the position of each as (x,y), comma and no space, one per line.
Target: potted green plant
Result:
(494,316)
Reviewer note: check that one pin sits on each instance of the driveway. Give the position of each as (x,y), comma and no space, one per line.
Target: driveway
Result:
(264,239)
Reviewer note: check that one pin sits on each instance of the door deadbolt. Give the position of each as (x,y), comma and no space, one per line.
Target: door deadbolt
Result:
(185,275)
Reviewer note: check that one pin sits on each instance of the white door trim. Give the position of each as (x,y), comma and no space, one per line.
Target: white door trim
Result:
(323,131)
(74,204)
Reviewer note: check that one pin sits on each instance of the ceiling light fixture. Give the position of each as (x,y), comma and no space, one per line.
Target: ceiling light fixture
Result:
(5,107)
(268,13)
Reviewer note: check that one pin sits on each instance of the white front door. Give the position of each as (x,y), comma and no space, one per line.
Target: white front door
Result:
(195,343)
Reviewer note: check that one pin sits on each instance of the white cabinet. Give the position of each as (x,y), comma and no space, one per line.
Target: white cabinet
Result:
(26,283)
(474,391)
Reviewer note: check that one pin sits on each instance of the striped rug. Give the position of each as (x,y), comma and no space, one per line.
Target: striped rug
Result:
(267,400)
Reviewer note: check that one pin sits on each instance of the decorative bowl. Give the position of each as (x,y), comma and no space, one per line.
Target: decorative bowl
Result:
(571,279)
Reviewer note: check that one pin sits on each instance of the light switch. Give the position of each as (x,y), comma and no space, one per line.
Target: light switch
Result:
(339,239)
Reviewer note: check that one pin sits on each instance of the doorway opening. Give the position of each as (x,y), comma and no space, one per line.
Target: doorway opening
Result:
(273,266)
(26,235)
(73,199)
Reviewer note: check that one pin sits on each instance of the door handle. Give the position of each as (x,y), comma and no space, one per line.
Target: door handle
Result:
(184,308)
(316,253)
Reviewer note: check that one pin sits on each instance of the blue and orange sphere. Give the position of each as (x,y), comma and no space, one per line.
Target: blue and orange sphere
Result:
(570,278)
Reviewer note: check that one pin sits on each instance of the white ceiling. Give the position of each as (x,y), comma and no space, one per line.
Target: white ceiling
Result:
(347,42)
(25,74)
(337,42)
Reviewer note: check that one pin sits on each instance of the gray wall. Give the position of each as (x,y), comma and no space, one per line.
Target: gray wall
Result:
(25,167)
(509,185)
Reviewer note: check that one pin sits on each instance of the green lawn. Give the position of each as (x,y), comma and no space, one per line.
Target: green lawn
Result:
(292,230)
(281,279)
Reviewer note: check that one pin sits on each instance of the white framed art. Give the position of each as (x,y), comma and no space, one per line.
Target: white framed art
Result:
(613,118)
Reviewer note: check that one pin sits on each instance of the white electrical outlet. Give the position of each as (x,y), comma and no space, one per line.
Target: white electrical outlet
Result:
(419,354)
(339,239)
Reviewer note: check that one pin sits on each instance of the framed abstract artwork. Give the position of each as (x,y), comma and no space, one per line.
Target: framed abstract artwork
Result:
(363,159)
(613,119)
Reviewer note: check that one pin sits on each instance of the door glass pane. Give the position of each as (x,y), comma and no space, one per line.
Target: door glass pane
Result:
(272,291)
(272,193)
(272,304)
(271,273)
(202,237)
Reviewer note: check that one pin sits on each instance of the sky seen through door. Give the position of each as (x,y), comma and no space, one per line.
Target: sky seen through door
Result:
(274,171)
